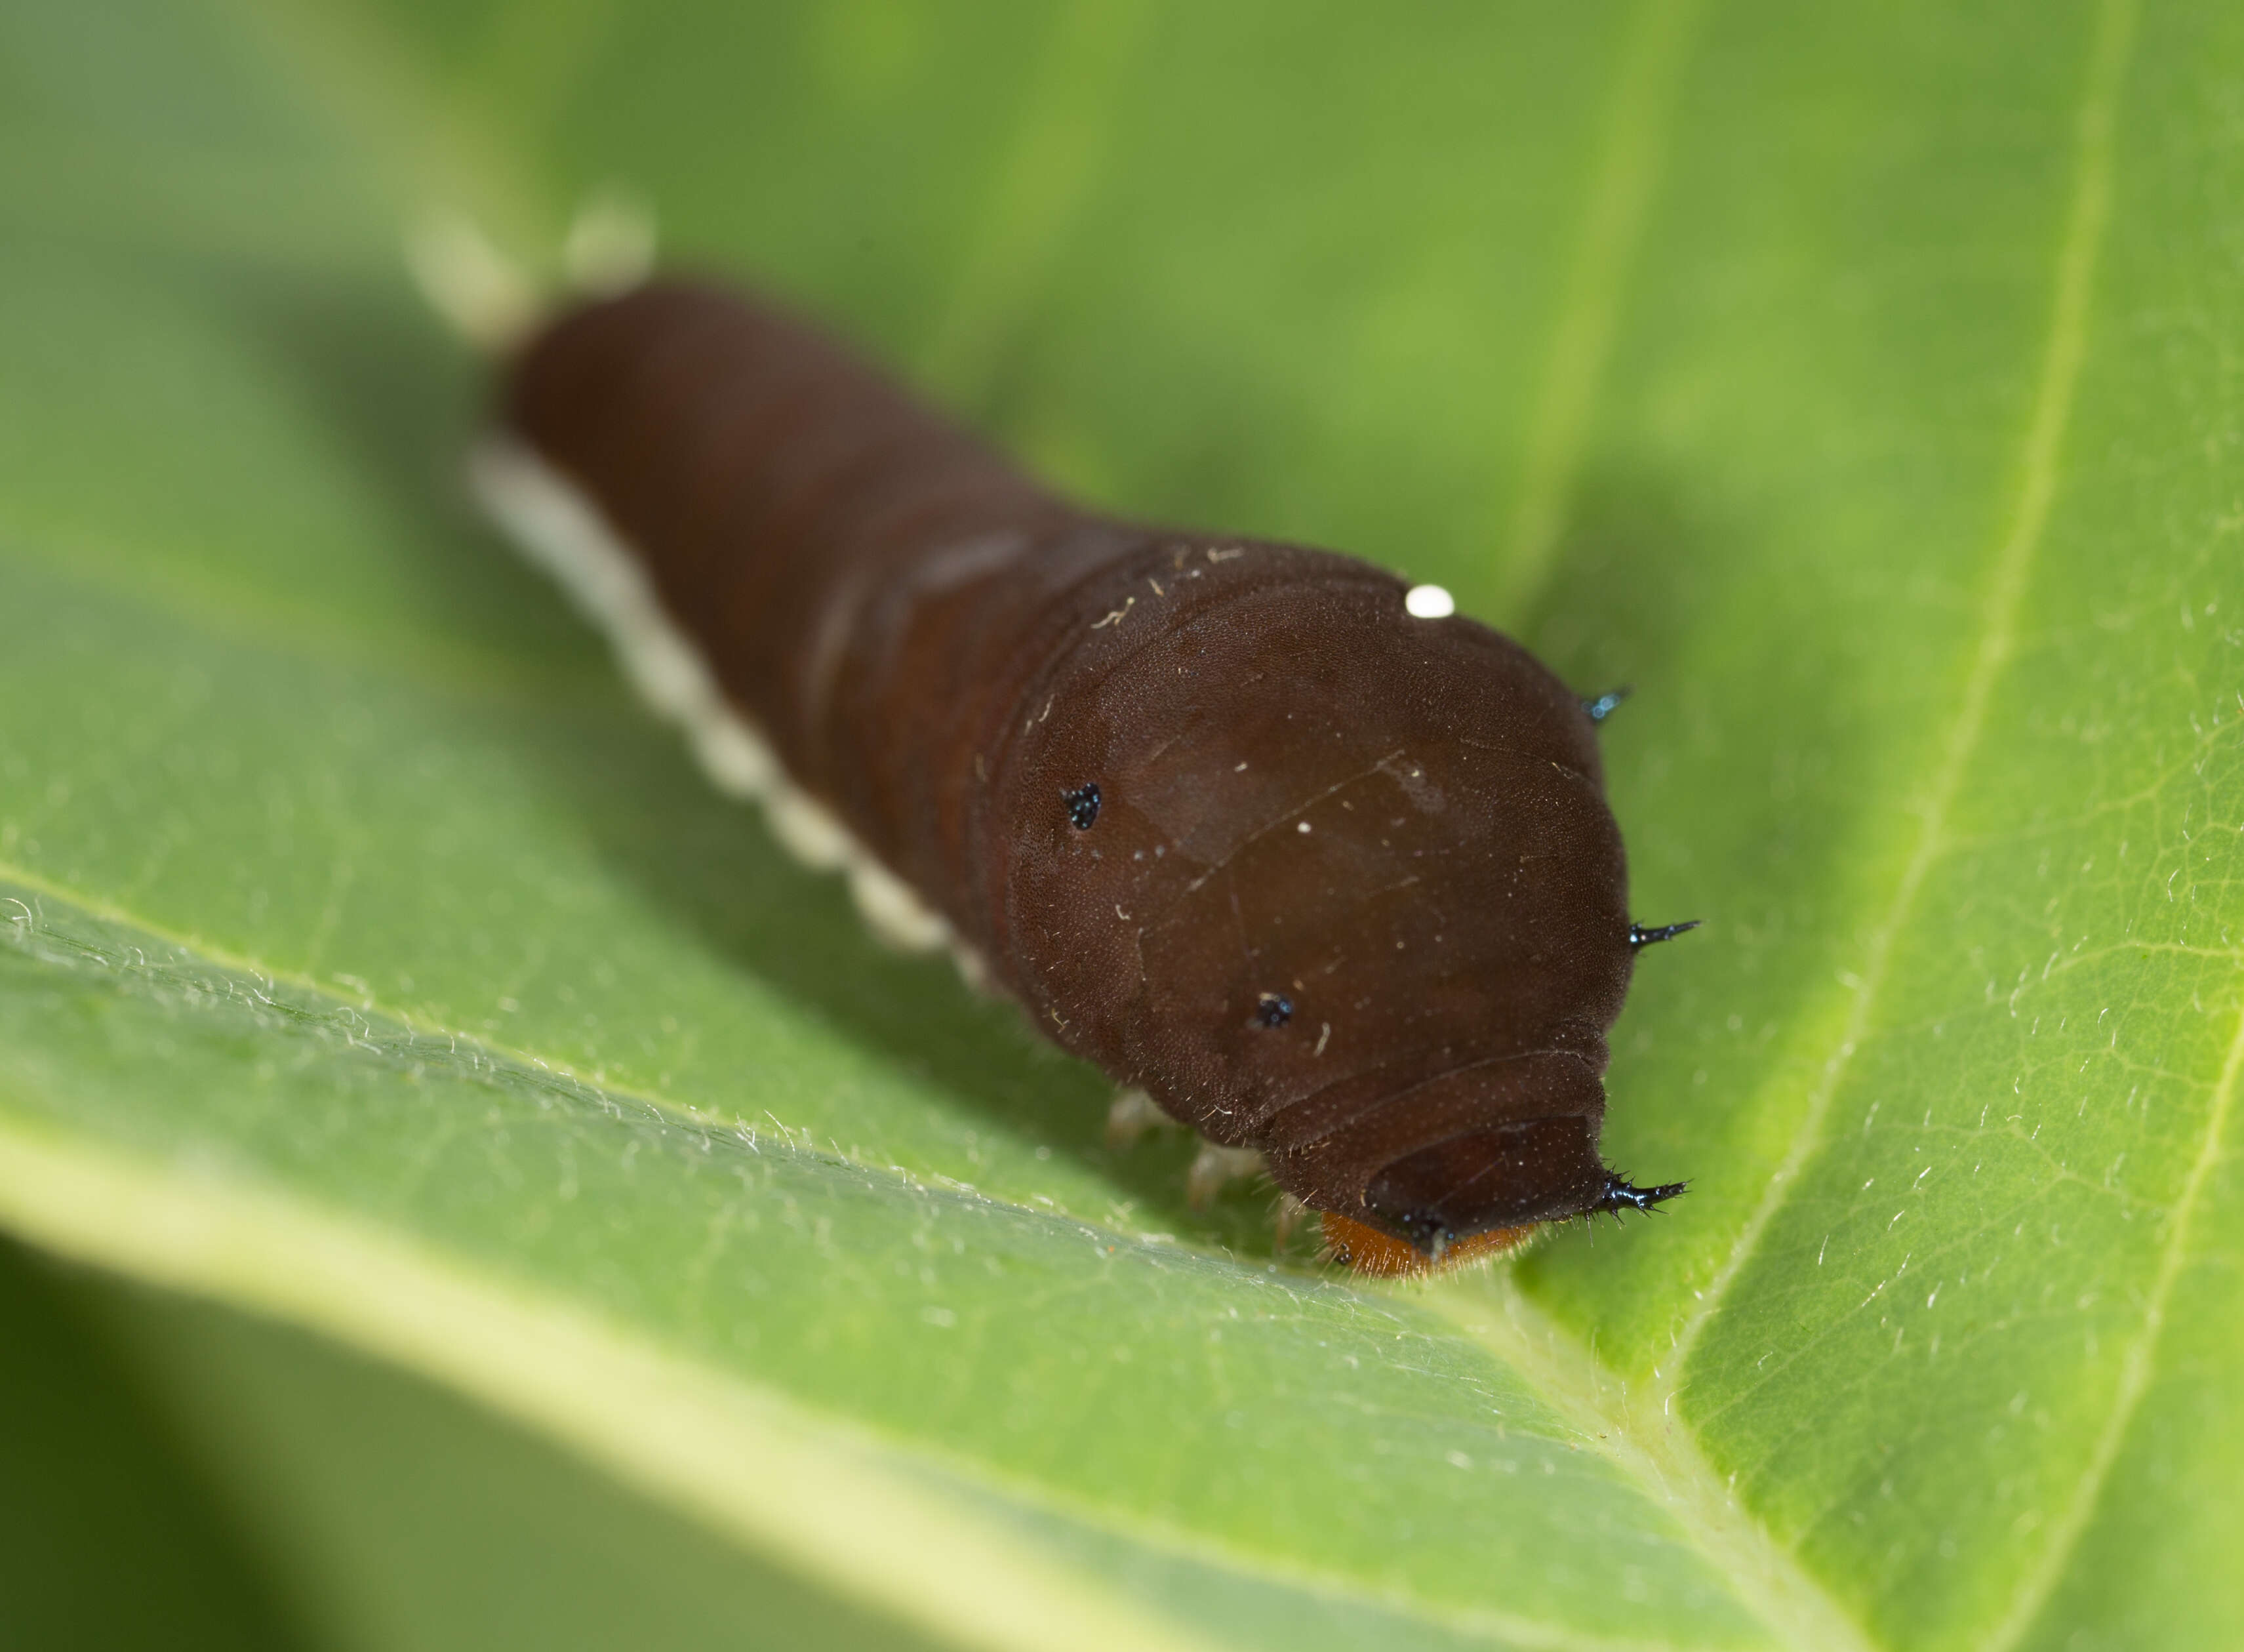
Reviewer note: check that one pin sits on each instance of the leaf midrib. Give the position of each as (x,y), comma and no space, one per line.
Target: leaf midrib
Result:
(1797,1603)
(306,1302)
(1603,1429)
(1994,644)
(546,1365)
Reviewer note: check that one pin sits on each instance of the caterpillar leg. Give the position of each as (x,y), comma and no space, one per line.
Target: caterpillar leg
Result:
(808,830)
(893,911)
(1367,1251)
(610,247)
(973,969)
(1214,1169)
(493,302)
(561,530)
(1286,1219)
(1132,1115)
(482,296)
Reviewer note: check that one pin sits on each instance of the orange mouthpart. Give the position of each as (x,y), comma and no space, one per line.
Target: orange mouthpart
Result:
(1369,1251)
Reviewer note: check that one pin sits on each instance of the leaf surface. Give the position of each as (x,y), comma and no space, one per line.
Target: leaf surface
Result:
(1860,384)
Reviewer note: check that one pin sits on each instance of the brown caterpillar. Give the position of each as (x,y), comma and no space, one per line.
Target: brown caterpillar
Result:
(1330,881)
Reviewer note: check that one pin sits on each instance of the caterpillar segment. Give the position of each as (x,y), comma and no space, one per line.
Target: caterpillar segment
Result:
(1305,859)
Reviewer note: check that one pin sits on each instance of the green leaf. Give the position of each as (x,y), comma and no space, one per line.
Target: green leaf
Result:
(88,1468)
(1860,384)
(426,1522)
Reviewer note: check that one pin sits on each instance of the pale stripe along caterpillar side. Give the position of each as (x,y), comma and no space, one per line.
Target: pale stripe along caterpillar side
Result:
(1331,882)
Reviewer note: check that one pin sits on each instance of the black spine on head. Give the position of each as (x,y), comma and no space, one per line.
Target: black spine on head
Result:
(1619,1195)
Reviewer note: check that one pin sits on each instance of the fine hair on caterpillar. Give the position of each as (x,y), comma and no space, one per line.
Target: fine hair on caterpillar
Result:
(1301,858)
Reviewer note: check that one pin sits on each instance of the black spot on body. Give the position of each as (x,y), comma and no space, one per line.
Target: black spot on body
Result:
(1082,806)
(1274,1009)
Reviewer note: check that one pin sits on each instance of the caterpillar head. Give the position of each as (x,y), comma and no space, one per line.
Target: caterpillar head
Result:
(1350,896)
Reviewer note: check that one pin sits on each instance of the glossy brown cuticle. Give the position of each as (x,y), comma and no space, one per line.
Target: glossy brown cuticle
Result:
(1400,820)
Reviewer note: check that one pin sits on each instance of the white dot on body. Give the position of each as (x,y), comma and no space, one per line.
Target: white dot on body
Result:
(1428,602)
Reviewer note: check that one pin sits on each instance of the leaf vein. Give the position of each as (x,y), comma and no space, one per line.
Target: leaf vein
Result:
(270,1251)
(2063,353)
(2136,1371)
(1641,102)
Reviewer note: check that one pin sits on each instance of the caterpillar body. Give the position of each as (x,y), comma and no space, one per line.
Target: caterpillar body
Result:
(1328,881)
